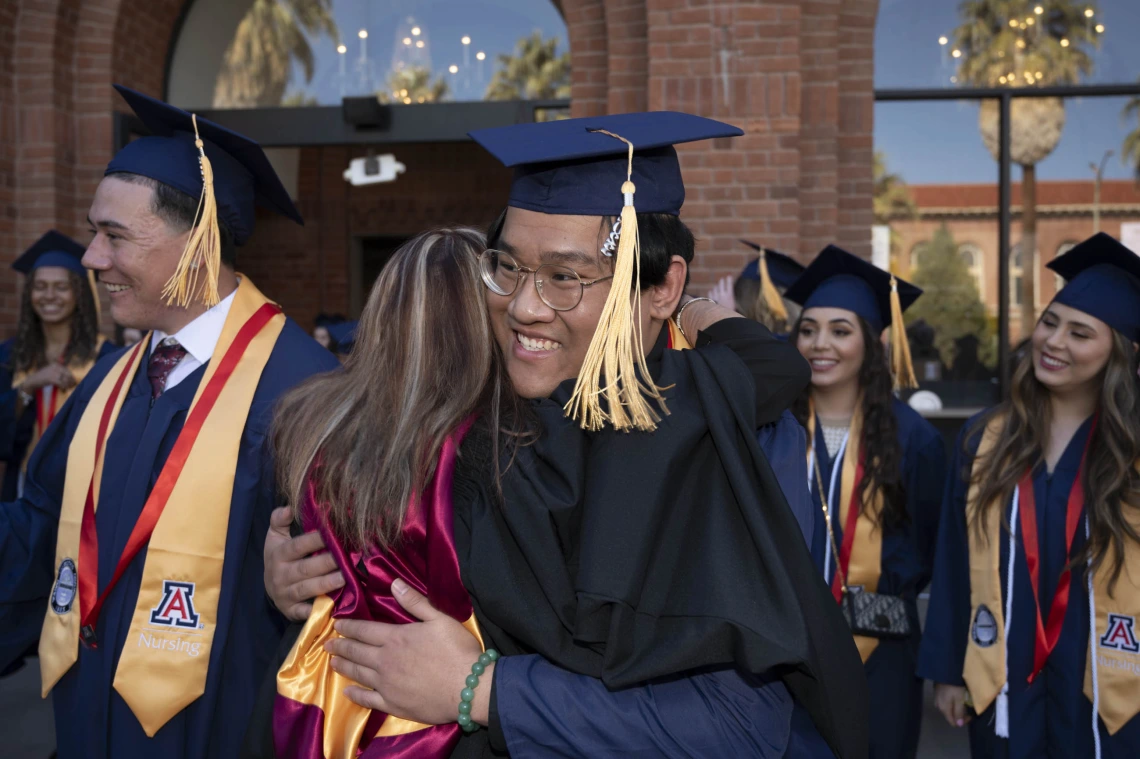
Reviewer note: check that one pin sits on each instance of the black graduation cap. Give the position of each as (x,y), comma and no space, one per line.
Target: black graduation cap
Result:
(53,249)
(596,167)
(574,167)
(838,279)
(1103,281)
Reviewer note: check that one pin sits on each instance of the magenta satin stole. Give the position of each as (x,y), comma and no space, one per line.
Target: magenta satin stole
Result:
(312,718)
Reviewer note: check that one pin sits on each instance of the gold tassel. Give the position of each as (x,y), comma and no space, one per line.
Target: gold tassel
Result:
(901,366)
(204,248)
(616,351)
(769,296)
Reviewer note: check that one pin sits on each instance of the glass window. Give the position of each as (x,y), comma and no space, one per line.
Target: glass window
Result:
(947,43)
(243,54)
(975,261)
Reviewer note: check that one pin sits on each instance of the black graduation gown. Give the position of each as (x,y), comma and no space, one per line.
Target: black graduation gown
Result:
(676,554)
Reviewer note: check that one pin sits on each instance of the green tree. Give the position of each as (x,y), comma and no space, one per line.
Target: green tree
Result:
(413,85)
(1131,151)
(534,72)
(257,68)
(952,305)
(1006,43)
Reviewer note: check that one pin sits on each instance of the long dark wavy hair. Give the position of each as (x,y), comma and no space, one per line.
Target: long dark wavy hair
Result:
(30,345)
(425,359)
(1111,481)
(883,472)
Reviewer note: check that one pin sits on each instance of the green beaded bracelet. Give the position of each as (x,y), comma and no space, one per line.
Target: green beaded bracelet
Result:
(467,695)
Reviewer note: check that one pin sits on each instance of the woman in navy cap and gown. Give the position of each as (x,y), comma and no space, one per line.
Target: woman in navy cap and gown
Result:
(57,342)
(1031,635)
(875,468)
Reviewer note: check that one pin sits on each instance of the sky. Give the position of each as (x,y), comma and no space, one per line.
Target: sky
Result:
(494,27)
(935,143)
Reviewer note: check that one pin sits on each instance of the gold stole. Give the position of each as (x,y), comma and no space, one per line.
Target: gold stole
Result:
(1114,643)
(59,395)
(166,651)
(867,546)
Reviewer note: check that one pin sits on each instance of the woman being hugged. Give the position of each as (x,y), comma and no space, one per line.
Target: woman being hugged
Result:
(875,470)
(1031,635)
(57,342)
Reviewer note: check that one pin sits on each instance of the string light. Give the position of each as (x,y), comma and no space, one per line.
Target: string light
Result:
(480,55)
(419,43)
(1064,42)
(341,49)
(407,101)
(1100,28)
(466,40)
(942,40)
(957,53)
(1088,12)
(953,80)
(1013,23)
(362,34)
(403,93)
(453,69)
(1001,79)
(415,31)
(1021,44)
(1029,21)
(1038,10)
(407,40)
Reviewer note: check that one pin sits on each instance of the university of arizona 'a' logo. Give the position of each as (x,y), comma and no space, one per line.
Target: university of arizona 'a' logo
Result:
(1121,634)
(176,609)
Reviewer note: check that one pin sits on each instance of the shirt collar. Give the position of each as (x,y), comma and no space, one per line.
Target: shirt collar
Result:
(200,337)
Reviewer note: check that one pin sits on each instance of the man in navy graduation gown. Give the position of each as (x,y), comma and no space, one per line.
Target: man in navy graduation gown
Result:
(140,219)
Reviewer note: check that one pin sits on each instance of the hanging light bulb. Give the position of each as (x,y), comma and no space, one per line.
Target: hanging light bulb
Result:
(1038,10)
(1013,23)
(1064,42)
(1088,12)
(956,53)
(362,34)
(341,49)
(1021,44)
(1030,21)
(480,55)
(453,69)
(942,40)
(1001,79)
(1100,28)
(415,31)
(419,43)
(407,40)
(466,40)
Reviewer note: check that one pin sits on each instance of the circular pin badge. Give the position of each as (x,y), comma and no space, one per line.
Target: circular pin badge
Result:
(63,594)
(984,631)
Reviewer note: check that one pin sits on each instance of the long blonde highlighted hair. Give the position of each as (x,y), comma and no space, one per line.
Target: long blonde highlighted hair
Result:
(425,359)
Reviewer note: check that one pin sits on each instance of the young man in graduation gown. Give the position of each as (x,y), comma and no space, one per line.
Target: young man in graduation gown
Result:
(566,194)
(135,551)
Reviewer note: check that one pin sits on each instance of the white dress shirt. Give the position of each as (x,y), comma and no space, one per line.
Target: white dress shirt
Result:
(199,338)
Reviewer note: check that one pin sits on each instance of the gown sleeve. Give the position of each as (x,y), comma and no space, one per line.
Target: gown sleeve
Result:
(784,443)
(778,370)
(545,711)
(925,487)
(943,650)
(28,534)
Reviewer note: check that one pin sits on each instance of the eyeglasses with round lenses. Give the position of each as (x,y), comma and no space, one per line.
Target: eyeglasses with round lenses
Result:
(560,287)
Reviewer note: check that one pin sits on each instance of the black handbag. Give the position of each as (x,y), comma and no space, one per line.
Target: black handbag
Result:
(873,615)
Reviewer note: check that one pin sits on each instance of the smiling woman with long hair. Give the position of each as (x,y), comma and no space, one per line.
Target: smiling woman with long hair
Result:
(875,469)
(57,341)
(1031,634)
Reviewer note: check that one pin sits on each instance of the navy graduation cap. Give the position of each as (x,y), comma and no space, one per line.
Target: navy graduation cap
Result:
(343,334)
(1103,281)
(53,249)
(838,279)
(782,268)
(618,165)
(228,172)
(577,166)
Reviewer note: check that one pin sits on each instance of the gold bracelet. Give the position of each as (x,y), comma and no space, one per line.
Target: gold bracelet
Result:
(681,310)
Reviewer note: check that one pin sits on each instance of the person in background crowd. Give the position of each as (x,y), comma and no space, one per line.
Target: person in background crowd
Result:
(342,336)
(135,551)
(1031,635)
(538,582)
(128,336)
(57,342)
(876,471)
(321,329)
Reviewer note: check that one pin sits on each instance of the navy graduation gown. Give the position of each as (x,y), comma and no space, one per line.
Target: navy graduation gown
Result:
(16,429)
(1050,718)
(93,720)
(907,560)
(784,443)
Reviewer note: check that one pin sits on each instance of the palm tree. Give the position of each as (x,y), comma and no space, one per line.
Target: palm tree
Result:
(413,85)
(1006,43)
(534,72)
(1131,151)
(274,34)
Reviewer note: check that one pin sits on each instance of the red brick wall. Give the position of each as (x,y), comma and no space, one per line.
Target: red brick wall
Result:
(796,76)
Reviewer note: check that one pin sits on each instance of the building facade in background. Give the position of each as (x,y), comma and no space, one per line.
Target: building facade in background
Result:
(796,77)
